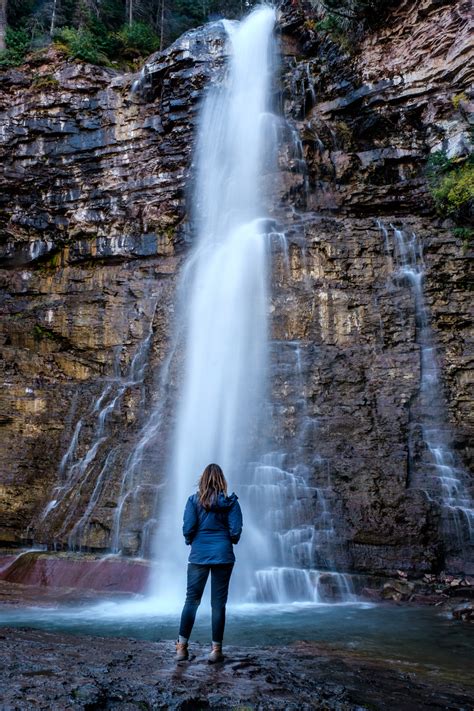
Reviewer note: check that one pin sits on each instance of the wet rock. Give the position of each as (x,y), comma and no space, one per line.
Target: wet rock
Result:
(393,96)
(439,590)
(398,590)
(464,611)
(80,572)
(125,674)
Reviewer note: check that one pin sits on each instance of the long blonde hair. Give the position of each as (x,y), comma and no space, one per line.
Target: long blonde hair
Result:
(211,484)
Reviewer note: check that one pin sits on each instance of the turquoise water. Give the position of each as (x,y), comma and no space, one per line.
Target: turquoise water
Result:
(422,636)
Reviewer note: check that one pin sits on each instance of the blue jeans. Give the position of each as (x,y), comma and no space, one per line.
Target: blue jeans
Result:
(197,579)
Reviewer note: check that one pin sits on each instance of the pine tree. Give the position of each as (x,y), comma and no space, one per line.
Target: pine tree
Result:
(105,30)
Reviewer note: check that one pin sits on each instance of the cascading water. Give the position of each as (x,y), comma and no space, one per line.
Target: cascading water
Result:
(88,468)
(441,477)
(227,360)
(295,514)
(223,403)
(225,293)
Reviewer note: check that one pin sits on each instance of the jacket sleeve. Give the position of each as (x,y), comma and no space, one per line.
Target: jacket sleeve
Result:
(190,521)
(235,522)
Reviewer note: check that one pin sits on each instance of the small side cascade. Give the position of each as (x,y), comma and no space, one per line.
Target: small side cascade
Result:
(297,514)
(297,162)
(133,482)
(440,475)
(89,468)
(302,88)
(303,533)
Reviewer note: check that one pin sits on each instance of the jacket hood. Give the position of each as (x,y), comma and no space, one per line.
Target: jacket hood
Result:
(224,503)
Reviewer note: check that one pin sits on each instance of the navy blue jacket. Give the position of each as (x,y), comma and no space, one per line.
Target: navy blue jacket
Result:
(212,533)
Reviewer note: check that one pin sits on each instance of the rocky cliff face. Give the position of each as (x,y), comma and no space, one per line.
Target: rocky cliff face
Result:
(93,230)
(93,202)
(367,123)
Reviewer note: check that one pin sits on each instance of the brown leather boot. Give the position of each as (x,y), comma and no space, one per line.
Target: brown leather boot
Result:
(181,651)
(216,654)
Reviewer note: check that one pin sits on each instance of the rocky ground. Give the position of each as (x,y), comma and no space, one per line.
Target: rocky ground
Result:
(56,671)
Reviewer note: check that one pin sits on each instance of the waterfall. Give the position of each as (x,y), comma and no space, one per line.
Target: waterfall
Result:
(223,359)
(211,399)
(223,406)
(224,293)
(441,477)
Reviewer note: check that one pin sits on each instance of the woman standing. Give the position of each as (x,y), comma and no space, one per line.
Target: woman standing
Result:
(212,523)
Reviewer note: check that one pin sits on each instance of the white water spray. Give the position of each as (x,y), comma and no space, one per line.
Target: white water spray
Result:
(224,291)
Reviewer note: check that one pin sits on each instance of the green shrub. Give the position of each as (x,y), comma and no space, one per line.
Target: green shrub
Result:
(82,44)
(45,81)
(330,24)
(370,12)
(107,42)
(346,21)
(451,184)
(95,44)
(139,37)
(455,190)
(17,43)
(338,30)
(437,163)
(457,98)
(466,234)
(40,332)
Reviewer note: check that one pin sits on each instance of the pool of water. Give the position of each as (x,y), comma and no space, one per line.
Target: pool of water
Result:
(422,636)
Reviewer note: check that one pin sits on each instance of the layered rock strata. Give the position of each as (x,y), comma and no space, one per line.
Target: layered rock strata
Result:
(94,228)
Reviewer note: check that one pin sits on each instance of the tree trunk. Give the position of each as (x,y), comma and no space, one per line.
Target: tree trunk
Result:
(162,23)
(129,11)
(3,23)
(53,18)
